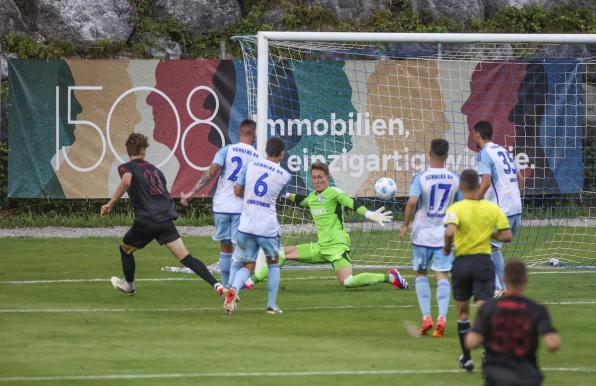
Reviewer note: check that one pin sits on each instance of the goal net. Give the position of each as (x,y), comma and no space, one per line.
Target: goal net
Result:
(371,108)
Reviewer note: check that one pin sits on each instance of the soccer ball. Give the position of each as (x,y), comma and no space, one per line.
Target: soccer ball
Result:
(385,188)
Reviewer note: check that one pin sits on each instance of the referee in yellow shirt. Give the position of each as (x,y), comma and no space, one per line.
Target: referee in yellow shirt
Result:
(471,223)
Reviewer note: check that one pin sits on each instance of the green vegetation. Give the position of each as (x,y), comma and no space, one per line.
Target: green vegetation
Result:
(298,16)
(175,325)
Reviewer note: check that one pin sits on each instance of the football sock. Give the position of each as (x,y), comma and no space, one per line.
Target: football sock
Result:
(498,261)
(262,273)
(273,285)
(239,278)
(423,294)
(463,326)
(199,268)
(128,266)
(225,261)
(443,294)
(364,279)
(234,268)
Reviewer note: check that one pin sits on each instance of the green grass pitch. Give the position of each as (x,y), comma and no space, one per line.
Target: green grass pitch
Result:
(74,329)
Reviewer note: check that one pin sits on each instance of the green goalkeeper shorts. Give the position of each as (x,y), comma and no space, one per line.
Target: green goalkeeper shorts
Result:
(337,255)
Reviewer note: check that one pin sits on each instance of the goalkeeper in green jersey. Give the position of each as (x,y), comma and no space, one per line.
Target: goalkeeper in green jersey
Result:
(333,246)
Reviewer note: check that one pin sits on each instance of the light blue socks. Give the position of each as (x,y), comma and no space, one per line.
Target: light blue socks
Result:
(498,261)
(443,294)
(225,261)
(423,293)
(273,285)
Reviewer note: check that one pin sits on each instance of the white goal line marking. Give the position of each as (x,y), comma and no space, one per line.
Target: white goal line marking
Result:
(61,281)
(195,309)
(265,374)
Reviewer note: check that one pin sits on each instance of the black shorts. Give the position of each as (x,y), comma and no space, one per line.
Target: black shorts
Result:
(142,233)
(473,274)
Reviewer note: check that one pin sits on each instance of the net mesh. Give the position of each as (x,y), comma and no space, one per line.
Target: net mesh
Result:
(371,110)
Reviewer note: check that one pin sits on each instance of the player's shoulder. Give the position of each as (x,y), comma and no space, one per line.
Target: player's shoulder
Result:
(490,206)
(333,191)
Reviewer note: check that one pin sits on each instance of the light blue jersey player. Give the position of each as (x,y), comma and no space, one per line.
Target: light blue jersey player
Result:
(261,183)
(431,193)
(228,162)
(501,183)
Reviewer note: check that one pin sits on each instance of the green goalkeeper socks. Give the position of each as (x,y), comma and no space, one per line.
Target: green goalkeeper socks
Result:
(365,279)
(262,273)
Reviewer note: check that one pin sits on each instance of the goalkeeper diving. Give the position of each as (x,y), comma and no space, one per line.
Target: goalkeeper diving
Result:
(326,205)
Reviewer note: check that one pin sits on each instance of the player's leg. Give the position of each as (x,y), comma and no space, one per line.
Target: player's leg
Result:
(421,257)
(172,240)
(442,264)
(340,259)
(243,264)
(135,238)
(303,253)
(270,247)
(463,282)
(225,226)
(499,266)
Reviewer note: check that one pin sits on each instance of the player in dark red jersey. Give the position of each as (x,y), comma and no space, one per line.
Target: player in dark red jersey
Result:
(509,328)
(154,214)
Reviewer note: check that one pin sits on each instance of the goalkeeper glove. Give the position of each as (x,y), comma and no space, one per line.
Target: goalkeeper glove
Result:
(378,216)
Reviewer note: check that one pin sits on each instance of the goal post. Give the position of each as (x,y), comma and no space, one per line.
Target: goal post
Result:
(370,103)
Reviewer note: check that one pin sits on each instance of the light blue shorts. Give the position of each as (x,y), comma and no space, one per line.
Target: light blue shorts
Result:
(247,247)
(515,222)
(425,256)
(226,227)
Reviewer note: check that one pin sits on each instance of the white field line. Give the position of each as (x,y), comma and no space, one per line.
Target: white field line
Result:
(275,374)
(63,281)
(218,309)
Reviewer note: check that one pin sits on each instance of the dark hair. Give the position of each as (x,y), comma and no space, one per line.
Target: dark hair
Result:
(485,129)
(274,147)
(516,273)
(318,165)
(440,148)
(469,180)
(135,143)
(247,127)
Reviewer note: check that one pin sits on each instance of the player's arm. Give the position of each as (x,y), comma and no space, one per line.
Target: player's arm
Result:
(122,187)
(484,185)
(449,236)
(485,166)
(205,179)
(380,216)
(298,199)
(409,213)
(503,232)
(550,336)
(415,192)
(451,222)
(240,183)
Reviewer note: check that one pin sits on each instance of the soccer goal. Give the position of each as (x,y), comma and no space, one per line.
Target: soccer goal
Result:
(369,104)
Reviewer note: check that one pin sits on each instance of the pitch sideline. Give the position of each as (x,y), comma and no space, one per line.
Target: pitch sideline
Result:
(263,374)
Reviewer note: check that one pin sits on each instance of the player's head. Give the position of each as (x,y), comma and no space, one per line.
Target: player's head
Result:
(275,149)
(483,132)
(516,275)
(247,131)
(469,181)
(136,144)
(439,149)
(319,175)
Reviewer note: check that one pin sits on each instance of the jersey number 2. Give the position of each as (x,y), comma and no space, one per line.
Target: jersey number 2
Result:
(234,175)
